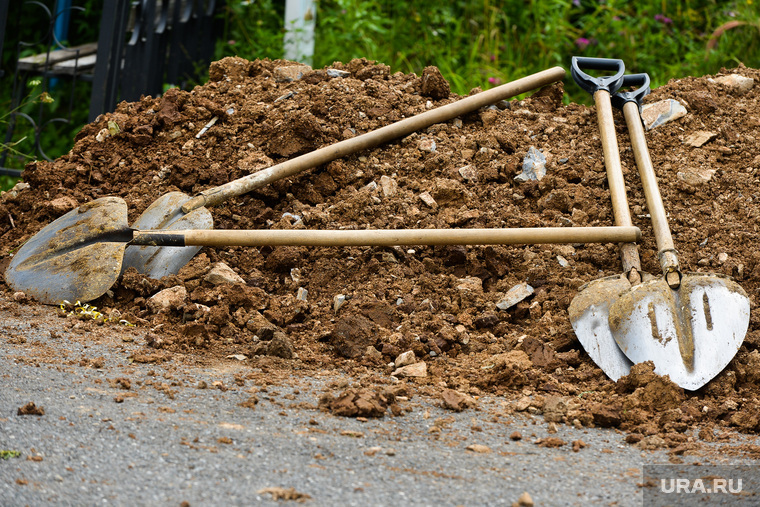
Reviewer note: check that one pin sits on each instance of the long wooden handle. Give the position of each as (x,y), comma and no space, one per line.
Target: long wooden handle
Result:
(385,237)
(217,195)
(665,246)
(628,252)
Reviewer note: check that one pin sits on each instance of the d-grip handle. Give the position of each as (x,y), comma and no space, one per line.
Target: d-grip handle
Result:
(593,84)
(641,81)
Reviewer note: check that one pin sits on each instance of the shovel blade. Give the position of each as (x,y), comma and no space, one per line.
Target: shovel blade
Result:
(589,314)
(690,334)
(166,214)
(68,259)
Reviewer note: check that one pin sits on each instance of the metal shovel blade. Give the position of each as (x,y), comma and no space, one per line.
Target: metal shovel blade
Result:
(166,214)
(690,334)
(589,315)
(71,258)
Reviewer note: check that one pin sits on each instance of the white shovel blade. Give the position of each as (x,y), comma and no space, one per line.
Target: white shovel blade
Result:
(589,314)
(166,214)
(690,334)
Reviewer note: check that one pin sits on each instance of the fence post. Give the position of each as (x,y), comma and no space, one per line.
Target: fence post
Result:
(113,24)
(300,18)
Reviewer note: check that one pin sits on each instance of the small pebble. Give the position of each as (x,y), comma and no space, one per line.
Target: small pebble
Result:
(525,500)
(338,301)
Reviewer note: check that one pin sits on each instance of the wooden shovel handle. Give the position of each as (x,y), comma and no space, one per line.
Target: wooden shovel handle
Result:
(628,252)
(665,246)
(385,237)
(382,135)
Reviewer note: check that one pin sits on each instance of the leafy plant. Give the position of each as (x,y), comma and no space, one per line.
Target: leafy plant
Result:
(6,454)
(252,29)
(21,149)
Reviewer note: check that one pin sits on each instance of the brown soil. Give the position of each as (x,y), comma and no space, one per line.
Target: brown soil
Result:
(439,302)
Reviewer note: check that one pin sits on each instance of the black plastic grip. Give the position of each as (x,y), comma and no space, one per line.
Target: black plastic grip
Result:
(593,84)
(641,81)
(157,238)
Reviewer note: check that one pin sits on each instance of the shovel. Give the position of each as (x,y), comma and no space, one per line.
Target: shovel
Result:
(178,211)
(690,325)
(590,308)
(79,256)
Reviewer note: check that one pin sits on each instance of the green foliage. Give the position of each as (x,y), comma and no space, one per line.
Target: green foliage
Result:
(21,148)
(7,182)
(484,43)
(24,24)
(6,454)
(41,105)
(252,29)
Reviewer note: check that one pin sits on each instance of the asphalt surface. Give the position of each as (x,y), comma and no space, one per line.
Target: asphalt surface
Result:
(166,440)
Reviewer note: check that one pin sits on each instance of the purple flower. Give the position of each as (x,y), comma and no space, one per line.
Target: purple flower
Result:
(577,3)
(663,19)
(582,43)
(494,80)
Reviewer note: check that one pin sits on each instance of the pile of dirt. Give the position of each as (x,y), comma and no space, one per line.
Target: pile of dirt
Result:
(357,309)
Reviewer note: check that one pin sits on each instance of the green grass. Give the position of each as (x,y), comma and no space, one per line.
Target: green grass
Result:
(484,43)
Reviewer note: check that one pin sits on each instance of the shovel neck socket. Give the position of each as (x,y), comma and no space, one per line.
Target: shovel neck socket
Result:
(151,238)
(671,269)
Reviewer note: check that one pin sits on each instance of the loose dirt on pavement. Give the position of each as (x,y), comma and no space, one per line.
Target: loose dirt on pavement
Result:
(364,306)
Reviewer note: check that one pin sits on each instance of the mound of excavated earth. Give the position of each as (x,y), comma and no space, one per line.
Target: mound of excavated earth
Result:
(466,321)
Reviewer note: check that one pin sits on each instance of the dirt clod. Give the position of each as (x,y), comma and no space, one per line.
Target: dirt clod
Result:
(31,409)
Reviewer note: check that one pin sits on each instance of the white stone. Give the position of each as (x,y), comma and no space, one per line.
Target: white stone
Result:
(405,359)
(338,301)
(428,200)
(412,370)
(700,138)
(534,166)
(337,73)
(172,297)
(468,173)
(302,294)
(221,273)
(427,145)
(389,186)
(739,83)
(661,112)
(514,295)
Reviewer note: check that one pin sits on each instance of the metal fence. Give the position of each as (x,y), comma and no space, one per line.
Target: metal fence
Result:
(142,46)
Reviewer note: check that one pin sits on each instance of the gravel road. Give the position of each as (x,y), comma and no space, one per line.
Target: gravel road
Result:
(118,432)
